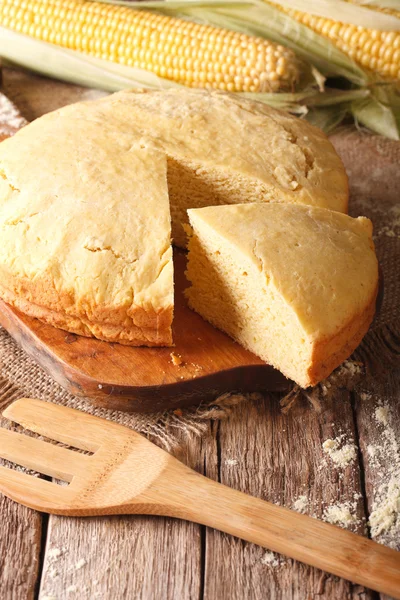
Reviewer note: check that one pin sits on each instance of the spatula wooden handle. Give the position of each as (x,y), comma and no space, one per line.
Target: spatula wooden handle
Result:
(327,547)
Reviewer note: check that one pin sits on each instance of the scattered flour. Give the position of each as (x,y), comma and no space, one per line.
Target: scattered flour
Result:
(231,462)
(382,414)
(81,563)
(341,514)
(344,376)
(340,453)
(384,458)
(351,367)
(394,218)
(53,573)
(385,514)
(300,504)
(272,560)
(54,553)
(70,589)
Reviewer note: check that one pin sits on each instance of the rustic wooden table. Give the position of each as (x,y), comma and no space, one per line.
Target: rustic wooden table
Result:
(258,450)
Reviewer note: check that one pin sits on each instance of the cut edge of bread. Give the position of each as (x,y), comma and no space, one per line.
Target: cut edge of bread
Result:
(330,353)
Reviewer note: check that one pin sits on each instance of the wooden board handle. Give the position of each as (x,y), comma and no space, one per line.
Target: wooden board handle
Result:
(360,560)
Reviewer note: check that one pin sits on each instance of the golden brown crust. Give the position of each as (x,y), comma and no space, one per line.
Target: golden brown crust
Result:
(158,333)
(329,354)
(42,294)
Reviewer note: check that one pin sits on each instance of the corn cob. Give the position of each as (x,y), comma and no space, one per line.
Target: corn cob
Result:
(375,50)
(188,53)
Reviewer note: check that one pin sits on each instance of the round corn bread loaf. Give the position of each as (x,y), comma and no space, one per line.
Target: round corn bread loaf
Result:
(87,194)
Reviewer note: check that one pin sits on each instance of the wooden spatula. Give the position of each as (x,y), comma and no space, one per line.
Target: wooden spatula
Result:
(127,474)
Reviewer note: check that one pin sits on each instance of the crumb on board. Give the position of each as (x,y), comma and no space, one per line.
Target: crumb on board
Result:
(231,462)
(176,359)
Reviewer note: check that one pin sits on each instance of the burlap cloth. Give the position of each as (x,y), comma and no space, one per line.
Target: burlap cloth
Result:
(373,167)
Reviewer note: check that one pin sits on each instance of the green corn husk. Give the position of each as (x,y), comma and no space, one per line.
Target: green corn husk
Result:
(327,118)
(380,111)
(372,102)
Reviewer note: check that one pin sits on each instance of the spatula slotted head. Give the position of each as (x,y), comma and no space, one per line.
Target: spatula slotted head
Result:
(123,464)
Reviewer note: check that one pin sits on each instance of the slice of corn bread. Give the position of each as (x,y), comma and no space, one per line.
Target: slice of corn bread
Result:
(294,284)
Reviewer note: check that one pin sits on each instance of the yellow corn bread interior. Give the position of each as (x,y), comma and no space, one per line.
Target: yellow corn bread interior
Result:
(296,285)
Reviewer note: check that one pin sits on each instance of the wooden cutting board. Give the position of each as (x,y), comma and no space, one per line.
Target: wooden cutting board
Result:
(203,363)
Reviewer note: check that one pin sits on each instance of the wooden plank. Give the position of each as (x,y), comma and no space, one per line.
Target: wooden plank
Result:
(378,418)
(280,458)
(20,542)
(125,557)
(20,546)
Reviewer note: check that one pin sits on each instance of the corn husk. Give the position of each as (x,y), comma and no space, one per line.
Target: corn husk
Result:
(390,4)
(75,67)
(360,15)
(327,118)
(380,111)
(373,103)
